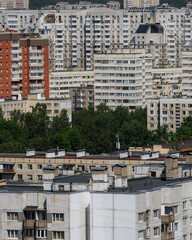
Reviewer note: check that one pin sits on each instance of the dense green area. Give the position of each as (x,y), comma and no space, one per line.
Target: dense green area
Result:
(36,4)
(93,130)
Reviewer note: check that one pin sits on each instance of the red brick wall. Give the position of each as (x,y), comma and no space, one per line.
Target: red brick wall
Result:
(25,71)
(5,70)
(46,71)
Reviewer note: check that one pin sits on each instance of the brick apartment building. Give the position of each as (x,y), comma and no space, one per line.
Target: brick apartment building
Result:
(24,65)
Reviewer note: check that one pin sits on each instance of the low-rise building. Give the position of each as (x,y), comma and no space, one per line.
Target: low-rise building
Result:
(82,97)
(60,82)
(96,206)
(29,167)
(54,106)
(82,5)
(168,111)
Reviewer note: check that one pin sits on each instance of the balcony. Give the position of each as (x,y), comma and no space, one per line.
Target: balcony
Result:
(29,224)
(167,236)
(41,223)
(166,219)
(7,171)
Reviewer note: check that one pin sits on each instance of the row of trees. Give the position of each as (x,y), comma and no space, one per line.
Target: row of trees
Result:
(95,131)
(36,4)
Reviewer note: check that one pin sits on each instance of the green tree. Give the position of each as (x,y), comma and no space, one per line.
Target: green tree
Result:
(60,122)
(37,123)
(185,130)
(1,114)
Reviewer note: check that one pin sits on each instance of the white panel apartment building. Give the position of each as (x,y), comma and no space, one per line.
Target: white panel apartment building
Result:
(146,209)
(123,78)
(187,71)
(78,34)
(60,82)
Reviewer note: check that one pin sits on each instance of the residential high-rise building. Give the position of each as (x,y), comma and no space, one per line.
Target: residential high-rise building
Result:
(62,81)
(187,70)
(14,4)
(140,3)
(82,97)
(123,78)
(168,111)
(24,65)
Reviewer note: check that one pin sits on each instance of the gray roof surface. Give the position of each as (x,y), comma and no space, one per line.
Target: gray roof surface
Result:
(81,178)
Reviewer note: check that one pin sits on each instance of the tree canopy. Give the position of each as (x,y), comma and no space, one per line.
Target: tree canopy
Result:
(94,130)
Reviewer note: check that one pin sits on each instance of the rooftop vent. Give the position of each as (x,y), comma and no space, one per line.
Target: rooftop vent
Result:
(30,152)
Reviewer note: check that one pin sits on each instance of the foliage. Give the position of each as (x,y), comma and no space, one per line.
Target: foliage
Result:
(94,130)
(36,4)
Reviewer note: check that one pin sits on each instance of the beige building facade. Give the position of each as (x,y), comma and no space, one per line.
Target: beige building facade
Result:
(14,4)
(82,97)
(60,82)
(140,3)
(54,106)
(168,111)
(30,168)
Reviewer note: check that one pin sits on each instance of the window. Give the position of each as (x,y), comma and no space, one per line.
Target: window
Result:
(20,177)
(176,226)
(58,235)
(41,233)
(141,234)
(190,203)
(19,166)
(12,216)
(58,217)
(156,231)
(41,215)
(141,216)
(184,204)
(30,215)
(29,166)
(176,209)
(61,188)
(29,177)
(184,220)
(39,177)
(29,232)
(12,234)
(156,213)
(190,220)
(184,237)
(39,167)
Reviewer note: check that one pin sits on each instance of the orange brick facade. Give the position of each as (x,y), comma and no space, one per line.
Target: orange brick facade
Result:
(5,69)
(17,77)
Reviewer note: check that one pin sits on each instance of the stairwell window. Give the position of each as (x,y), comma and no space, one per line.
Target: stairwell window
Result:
(156,231)
(58,235)
(11,216)
(12,234)
(184,204)
(41,233)
(58,217)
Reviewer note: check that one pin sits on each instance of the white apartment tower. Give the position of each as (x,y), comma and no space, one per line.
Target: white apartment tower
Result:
(123,78)
(187,71)
(14,4)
